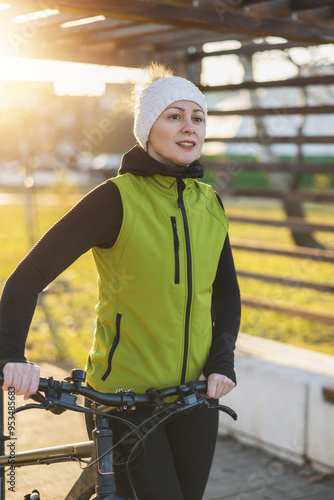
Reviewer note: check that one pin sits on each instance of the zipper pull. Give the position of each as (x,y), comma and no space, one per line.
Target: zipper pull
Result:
(176,238)
(180,187)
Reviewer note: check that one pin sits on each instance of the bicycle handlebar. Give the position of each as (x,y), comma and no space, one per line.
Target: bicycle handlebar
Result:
(61,394)
(119,398)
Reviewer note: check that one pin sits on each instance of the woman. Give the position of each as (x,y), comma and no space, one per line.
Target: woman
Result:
(169,304)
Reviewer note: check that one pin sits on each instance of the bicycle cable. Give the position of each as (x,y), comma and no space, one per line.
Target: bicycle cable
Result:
(135,429)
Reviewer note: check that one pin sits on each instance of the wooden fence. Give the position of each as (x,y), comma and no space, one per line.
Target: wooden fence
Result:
(293,252)
(293,195)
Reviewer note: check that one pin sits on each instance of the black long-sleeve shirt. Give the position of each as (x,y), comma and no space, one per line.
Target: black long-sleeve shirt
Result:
(95,221)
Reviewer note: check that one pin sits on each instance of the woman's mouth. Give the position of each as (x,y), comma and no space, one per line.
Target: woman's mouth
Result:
(186,144)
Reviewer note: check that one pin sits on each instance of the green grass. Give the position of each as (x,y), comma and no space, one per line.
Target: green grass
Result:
(62,327)
(261,179)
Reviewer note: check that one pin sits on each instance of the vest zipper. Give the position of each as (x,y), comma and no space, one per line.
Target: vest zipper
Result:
(180,188)
(176,251)
(114,345)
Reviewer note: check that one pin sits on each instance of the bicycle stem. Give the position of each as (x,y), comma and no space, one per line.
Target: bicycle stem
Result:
(102,436)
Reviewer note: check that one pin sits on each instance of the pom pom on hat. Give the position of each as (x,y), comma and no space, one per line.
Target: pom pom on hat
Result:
(156,97)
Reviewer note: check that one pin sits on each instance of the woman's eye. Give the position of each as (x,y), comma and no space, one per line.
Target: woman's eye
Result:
(198,119)
(174,117)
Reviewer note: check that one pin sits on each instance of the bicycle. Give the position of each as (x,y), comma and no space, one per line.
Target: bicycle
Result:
(62,395)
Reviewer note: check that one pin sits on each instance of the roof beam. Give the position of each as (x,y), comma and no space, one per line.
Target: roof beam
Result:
(105,54)
(290,82)
(282,9)
(297,5)
(174,40)
(252,2)
(249,49)
(216,15)
(293,110)
(113,34)
(293,5)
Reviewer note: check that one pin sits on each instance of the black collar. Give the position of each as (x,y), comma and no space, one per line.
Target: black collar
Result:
(138,162)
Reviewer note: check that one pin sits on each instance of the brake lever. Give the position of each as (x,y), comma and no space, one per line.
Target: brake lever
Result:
(52,402)
(38,397)
(197,400)
(48,404)
(204,402)
(225,409)
(30,406)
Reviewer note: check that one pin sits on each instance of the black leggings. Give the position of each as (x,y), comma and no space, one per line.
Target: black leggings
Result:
(178,456)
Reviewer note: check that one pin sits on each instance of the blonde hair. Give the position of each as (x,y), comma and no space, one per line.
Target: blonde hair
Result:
(155,70)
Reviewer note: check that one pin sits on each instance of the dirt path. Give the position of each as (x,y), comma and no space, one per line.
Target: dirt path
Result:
(35,429)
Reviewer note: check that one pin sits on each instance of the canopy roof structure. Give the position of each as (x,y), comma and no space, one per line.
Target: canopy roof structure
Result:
(130,33)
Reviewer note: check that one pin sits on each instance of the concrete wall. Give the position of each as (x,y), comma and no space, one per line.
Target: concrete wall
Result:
(279,401)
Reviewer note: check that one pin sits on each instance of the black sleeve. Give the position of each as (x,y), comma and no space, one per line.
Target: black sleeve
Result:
(94,221)
(226,313)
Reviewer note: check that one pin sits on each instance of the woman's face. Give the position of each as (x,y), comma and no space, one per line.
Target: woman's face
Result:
(177,136)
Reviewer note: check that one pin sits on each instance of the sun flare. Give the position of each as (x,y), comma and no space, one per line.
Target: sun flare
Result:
(67,78)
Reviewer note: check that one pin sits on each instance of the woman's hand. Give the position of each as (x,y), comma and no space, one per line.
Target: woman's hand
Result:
(24,377)
(218,385)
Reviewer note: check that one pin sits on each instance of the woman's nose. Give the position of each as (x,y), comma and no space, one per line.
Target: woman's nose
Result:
(188,126)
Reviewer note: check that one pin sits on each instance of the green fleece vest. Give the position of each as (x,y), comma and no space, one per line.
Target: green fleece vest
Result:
(154,325)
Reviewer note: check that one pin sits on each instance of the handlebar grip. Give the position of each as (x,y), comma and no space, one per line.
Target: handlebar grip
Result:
(201,385)
(43,382)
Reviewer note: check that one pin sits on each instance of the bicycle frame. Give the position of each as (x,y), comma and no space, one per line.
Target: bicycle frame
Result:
(51,455)
(105,486)
(101,443)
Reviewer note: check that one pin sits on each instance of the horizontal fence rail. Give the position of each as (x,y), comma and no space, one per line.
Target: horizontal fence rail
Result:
(287,281)
(293,223)
(232,165)
(277,307)
(266,140)
(316,254)
(280,194)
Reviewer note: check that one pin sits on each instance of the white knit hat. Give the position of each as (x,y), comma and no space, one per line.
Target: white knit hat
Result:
(156,97)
